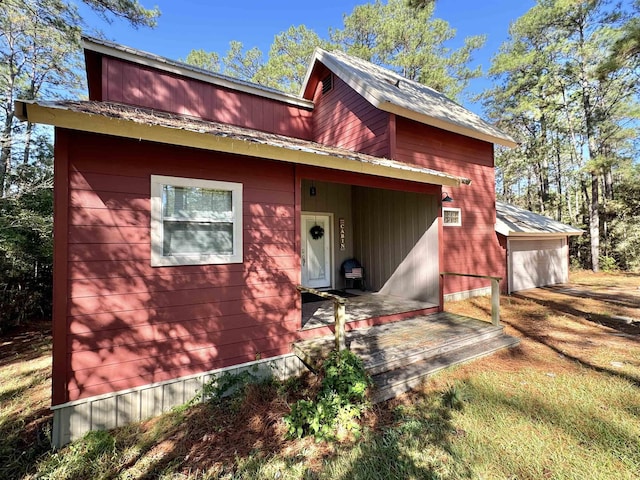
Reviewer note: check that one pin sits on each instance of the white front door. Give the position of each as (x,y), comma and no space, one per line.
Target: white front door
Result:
(316,250)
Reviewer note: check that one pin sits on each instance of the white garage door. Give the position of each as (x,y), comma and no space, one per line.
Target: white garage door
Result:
(536,263)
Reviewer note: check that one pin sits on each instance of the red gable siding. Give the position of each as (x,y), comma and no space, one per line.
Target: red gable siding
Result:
(473,247)
(129,324)
(345,119)
(133,84)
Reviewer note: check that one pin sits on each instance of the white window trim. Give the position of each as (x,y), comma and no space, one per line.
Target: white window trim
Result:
(450,209)
(157,230)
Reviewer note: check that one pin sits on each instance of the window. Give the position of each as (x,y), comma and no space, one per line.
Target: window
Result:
(451,217)
(195,222)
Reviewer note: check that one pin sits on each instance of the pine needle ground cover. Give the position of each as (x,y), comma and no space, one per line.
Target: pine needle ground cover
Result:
(563,405)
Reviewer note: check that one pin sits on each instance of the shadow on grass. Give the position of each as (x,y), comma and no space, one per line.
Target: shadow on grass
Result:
(416,444)
(25,418)
(583,291)
(535,331)
(567,307)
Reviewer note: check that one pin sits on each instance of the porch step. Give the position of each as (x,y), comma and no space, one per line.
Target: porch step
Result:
(393,357)
(390,383)
(401,354)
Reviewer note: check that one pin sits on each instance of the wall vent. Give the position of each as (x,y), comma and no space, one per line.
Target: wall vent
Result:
(327,84)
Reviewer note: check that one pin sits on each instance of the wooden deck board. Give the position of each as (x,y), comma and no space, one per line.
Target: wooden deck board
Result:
(400,354)
(360,307)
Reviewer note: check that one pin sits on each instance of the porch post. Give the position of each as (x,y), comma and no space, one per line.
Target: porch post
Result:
(339,313)
(495,302)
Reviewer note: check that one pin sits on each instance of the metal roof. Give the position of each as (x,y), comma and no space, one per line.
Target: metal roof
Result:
(145,124)
(393,93)
(512,221)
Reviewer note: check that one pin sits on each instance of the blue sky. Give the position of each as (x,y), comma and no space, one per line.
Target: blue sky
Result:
(211,25)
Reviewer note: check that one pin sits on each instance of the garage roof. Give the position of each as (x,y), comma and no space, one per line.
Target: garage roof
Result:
(512,221)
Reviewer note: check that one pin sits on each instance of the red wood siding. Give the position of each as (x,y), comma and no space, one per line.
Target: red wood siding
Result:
(133,84)
(473,247)
(119,322)
(343,118)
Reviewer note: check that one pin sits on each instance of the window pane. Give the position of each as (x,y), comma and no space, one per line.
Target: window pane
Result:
(451,216)
(194,202)
(183,238)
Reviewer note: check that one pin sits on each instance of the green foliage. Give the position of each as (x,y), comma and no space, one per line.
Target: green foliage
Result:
(130,10)
(342,399)
(411,42)
(26,250)
(230,386)
(577,126)
(242,64)
(608,264)
(453,397)
(82,459)
(288,59)
(394,35)
(205,60)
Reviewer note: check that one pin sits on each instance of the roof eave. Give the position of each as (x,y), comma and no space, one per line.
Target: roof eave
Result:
(125,128)
(317,53)
(448,126)
(506,232)
(387,106)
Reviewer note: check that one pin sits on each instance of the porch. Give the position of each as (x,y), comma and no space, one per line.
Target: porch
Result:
(400,355)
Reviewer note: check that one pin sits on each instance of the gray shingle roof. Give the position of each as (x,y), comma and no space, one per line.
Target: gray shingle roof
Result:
(515,221)
(391,92)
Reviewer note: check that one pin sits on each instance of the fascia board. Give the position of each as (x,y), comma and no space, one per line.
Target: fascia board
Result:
(547,235)
(88,122)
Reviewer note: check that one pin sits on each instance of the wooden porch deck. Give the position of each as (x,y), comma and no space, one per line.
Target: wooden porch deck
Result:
(401,354)
(360,306)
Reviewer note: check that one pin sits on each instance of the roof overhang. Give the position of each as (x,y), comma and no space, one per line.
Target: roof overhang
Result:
(504,230)
(373,97)
(527,235)
(157,62)
(227,139)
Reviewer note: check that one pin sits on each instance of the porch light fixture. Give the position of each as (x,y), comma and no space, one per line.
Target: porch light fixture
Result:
(446,197)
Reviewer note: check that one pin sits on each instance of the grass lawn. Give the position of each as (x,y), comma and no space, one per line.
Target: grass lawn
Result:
(563,405)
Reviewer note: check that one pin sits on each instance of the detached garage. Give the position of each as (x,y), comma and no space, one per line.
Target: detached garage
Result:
(537,247)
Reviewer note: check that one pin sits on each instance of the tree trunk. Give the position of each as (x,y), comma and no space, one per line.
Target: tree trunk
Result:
(608,184)
(594,223)
(27,143)
(5,153)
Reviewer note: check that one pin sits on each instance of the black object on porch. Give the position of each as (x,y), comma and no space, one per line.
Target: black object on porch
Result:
(351,269)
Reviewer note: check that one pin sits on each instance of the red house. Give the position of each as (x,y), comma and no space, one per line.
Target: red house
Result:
(189,206)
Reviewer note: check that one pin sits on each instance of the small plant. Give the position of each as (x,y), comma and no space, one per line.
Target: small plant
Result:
(342,398)
(227,385)
(453,398)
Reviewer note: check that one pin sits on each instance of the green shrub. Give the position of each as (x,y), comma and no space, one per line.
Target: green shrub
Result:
(342,399)
(608,264)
